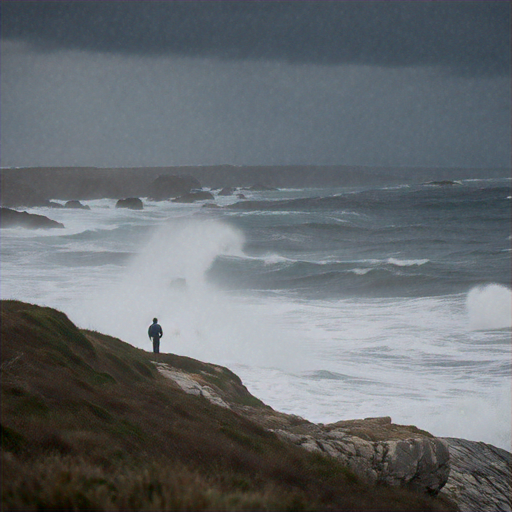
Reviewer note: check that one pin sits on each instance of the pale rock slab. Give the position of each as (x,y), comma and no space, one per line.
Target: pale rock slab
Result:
(190,385)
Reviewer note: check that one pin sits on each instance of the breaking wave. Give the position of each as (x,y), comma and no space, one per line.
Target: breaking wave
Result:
(489,307)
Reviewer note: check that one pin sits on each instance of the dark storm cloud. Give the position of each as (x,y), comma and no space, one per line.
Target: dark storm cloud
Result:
(468,37)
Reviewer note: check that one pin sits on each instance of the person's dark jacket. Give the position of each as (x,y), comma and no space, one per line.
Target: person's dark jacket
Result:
(155,331)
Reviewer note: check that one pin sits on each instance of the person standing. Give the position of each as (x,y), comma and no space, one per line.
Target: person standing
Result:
(155,333)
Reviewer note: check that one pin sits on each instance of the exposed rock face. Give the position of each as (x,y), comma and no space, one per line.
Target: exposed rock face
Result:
(398,455)
(170,186)
(395,455)
(132,203)
(193,196)
(11,218)
(191,386)
(77,205)
(480,476)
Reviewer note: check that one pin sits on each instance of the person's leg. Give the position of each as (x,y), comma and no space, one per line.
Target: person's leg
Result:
(156,345)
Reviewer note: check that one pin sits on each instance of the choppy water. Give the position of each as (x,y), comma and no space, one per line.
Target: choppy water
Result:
(329,303)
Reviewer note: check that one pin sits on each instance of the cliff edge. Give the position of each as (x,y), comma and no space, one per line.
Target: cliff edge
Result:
(475,475)
(92,423)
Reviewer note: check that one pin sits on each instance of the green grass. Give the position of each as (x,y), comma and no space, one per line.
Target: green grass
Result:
(88,423)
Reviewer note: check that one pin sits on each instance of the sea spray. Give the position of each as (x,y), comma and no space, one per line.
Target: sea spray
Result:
(167,280)
(474,416)
(489,307)
(388,328)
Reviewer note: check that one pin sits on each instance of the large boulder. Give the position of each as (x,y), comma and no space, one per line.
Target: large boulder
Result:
(227,191)
(169,186)
(12,218)
(132,203)
(193,196)
(76,205)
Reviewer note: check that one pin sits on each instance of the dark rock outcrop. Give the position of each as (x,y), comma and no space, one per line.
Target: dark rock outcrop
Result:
(480,476)
(132,203)
(171,186)
(227,191)
(191,197)
(76,205)
(12,218)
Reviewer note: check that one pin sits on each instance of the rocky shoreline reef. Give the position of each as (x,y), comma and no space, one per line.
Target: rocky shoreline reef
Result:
(38,186)
(91,423)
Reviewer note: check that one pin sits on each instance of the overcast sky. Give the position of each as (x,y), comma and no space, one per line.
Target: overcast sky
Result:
(118,83)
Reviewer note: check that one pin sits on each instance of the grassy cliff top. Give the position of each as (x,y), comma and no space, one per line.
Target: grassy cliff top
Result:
(89,423)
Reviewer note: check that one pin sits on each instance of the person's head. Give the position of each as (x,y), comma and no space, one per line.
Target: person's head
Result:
(155,320)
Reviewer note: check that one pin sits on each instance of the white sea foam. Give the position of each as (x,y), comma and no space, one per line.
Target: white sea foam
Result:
(408,358)
(489,307)
(437,362)
(406,263)
(475,416)
(360,271)
(397,187)
(273,259)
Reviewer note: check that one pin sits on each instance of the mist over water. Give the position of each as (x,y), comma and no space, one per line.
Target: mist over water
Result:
(327,306)
(167,280)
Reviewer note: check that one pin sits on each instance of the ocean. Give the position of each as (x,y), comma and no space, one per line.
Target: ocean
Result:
(331,304)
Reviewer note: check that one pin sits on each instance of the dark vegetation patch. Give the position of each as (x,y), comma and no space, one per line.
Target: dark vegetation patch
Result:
(12,441)
(88,423)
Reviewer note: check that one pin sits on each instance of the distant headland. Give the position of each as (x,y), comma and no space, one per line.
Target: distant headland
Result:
(35,186)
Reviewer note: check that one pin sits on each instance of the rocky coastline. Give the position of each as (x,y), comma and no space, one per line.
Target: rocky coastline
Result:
(475,475)
(90,422)
(42,347)
(37,186)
